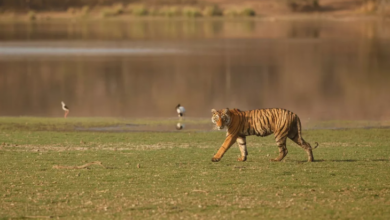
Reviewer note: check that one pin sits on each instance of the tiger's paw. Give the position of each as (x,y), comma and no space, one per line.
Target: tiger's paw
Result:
(275,160)
(242,159)
(214,159)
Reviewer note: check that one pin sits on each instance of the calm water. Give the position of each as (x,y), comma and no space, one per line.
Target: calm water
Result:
(318,69)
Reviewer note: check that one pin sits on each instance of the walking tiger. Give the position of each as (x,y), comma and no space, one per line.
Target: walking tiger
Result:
(261,122)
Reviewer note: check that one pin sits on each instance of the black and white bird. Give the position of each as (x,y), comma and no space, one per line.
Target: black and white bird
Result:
(65,108)
(179,126)
(180,110)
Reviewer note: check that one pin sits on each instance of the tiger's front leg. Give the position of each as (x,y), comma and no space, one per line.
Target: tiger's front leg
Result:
(241,141)
(229,141)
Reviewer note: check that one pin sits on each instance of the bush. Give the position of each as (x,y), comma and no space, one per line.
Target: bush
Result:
(247,12)
(108,13)
(192,12)
(303,5)
(31,15)
(230,13)
(153,11)
(115,11)
(139,10)
(118,9)
(170,11)
(85,10)
(212,11)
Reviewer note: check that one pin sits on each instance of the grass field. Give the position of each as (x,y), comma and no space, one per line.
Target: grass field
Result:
(169,175)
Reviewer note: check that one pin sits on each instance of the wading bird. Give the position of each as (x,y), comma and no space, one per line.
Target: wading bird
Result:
(180,110)
(65,108)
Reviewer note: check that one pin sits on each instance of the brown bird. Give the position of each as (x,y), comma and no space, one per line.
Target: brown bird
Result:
(65,108)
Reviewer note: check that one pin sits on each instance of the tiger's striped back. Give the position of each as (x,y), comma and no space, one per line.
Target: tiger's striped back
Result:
(261,122)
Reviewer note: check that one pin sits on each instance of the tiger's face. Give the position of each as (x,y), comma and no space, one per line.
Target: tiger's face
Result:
(220,118)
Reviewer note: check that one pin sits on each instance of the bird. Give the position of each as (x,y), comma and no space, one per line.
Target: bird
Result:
(179,126)
(65,108)
(180,110)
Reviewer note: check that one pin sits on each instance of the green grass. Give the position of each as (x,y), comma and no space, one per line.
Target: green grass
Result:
(177,179)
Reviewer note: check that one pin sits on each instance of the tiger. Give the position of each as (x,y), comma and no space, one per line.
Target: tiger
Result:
(261,122)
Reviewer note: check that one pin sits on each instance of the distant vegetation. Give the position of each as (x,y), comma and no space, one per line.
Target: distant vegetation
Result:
(186,8)
(303,5)
(381,7)
(174,11)
(56,5)
(170,8)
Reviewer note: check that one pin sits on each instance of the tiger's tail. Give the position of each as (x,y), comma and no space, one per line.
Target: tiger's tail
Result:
(300,135)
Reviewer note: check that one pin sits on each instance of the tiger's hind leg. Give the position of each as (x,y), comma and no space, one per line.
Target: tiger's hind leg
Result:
(306,146)
(241,141)
(281,142)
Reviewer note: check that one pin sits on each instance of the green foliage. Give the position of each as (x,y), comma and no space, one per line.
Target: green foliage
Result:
(230,13)
(210,11)
(85,10)
(108,13)
(169,11)
(116,10)
(248,12)
(303,5)
(192,12)
(139,10)
(244,12)
(152,11)
(32,16)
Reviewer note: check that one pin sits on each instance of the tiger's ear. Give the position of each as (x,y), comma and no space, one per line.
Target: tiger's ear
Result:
(224,111)
(213,111)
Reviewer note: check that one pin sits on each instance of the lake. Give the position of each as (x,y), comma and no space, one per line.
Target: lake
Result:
(321,69)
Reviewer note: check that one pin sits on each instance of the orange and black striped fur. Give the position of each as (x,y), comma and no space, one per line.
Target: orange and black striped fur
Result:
(261,122)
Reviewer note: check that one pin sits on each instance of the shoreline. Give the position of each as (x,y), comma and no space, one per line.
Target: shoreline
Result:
(221,11)
(64,17)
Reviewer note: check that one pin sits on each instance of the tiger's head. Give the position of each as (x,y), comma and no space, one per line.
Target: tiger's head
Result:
(220,118)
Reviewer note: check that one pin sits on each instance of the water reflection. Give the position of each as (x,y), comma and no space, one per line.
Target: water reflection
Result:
(63,51)
(320,70)
(180,126)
